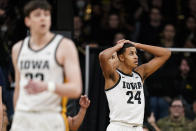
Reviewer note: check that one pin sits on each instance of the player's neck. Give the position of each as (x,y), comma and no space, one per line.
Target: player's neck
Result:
(41,39)
(125,69)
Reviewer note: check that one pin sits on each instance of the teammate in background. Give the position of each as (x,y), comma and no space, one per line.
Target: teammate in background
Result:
(76,121)
(41,61)
(1,109)
(124,83)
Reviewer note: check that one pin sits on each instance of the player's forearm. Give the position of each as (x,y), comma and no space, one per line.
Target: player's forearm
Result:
(156,51)
(70,90)
(78,119)
(107,53)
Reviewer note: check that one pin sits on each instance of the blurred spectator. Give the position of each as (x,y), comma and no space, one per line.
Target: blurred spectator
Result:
(6,30)
(6,78)
(192,9)
(194,108)
(161,83)
(79,7)
(113,26)
(168,36)
(192,126)
(142,10)
(185,81)
(168,71)
(10,24)
(150,31)
(79,34)
(97,20)
(176,120)
(140,14)
(187,34)
(167,8)
(117,6)
(118,36)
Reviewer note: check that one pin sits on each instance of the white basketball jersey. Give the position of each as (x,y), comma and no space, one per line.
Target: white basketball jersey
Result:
(39,65)
(126,99)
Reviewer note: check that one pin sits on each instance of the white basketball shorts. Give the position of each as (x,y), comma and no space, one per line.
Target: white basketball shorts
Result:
(37,121)
(121,127)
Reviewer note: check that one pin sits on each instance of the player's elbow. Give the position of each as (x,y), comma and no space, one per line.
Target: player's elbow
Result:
(78,92)
(102,56)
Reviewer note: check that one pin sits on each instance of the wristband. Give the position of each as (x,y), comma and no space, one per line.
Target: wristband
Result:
(51,86)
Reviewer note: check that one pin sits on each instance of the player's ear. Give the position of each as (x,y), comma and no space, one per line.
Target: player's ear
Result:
(27,21)
(121,57)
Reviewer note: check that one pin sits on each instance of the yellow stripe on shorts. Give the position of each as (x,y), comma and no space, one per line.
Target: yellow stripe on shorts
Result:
(64,110)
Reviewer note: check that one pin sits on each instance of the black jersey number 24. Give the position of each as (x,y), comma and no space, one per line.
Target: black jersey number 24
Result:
(133,98)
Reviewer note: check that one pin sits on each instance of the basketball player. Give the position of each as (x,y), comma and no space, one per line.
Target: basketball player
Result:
(124,83)
(40,61)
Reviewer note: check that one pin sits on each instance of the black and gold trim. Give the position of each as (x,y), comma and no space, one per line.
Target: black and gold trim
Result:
(29,46)
(20,50)
(115,84)
(125,73)
(138,74)
(55,53)
(64,111)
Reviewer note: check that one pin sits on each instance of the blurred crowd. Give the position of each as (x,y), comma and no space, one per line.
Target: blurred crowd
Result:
(101,23)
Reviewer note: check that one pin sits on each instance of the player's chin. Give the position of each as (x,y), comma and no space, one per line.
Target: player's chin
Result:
(135,65)
(43,31)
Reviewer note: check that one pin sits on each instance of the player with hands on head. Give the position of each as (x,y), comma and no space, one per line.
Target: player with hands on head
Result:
(124,82)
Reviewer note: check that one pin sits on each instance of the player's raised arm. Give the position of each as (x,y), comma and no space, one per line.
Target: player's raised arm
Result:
(161,55)
(105,55)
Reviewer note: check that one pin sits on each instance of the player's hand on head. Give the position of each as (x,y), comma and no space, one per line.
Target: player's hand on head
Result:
(84,101)
(123,41)
(120,43)
(130,42)
(34,87)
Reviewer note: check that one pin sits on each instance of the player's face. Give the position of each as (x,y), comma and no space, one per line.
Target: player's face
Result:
(130,57)
(114,60)
(39,21)
(177,109)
